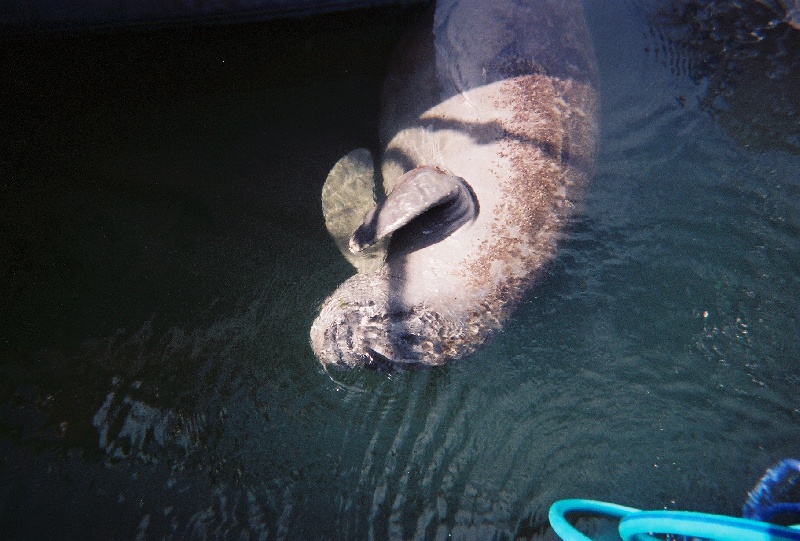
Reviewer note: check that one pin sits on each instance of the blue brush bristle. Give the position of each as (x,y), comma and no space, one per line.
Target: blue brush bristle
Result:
(776,497)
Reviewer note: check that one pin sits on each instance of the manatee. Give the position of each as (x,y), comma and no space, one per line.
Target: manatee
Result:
(489,123)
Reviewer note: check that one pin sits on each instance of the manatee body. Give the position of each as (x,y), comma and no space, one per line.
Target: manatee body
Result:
(489,120)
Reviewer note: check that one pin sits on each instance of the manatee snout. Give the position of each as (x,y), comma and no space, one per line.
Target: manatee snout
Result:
(351,327)
(358,327)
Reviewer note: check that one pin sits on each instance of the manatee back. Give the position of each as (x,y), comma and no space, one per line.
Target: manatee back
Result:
(442,58)
(517,37)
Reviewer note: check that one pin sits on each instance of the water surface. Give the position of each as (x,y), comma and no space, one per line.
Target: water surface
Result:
(166,253)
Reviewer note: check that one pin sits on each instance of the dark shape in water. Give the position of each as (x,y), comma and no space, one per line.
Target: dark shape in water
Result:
(736,46)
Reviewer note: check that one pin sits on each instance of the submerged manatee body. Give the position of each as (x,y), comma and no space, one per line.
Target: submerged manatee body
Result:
(489,122)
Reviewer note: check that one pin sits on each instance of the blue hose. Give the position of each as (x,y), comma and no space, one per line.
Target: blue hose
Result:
(718,527)
(640,523)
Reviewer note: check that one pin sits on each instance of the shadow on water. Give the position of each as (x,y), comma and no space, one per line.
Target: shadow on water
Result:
(166,253)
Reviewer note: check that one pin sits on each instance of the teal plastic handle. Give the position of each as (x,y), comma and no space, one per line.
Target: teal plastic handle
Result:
(566,531)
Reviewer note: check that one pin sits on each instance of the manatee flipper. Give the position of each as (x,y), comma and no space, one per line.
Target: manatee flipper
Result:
(348,194)
(435,201)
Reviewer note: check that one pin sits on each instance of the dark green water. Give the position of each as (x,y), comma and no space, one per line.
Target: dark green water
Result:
(164,253)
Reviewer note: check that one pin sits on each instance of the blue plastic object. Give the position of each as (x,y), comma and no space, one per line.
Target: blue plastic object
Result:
(566,531)
(636,524)
(776,497)
(704,525)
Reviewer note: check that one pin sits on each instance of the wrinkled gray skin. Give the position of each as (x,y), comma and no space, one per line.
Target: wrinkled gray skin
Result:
(489,120)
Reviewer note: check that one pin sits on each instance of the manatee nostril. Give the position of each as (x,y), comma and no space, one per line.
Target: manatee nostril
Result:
(378,361)
(349,337)
(410,339)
